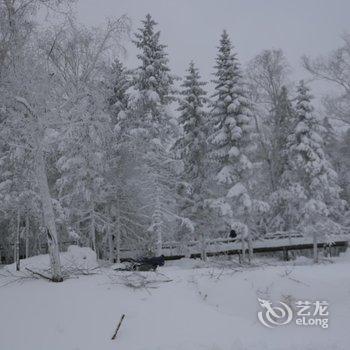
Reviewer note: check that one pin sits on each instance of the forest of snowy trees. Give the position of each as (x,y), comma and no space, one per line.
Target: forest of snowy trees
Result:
(103,155)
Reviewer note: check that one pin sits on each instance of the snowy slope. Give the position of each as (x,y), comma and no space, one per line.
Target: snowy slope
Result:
(200,309)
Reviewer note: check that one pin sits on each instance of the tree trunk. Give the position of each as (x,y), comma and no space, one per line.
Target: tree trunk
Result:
(243,250)
(49,216)
(158,226)
(159,248)
(46,201)
(117,245)
(110,244)
(27,235)
(203,248)
(315,250)
(18,229)
(118,235)
(92,232)
(250,248)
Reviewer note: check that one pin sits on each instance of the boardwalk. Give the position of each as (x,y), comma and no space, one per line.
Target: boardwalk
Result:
(271,243)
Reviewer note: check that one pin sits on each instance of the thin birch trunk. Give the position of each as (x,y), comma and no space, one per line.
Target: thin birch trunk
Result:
(159,248)
(14,247)
(203,248)
(117,246)
(49,216)
(118,235)
(250,249)
(266,154)
(92,232)
(243,250)
(27,235)
(17,241)
(46,201)
(110,244)
(158,222)
(315,250)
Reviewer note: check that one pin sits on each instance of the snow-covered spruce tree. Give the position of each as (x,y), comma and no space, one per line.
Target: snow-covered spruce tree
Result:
(267,76)
(153,76)
(281,198)
(337,148)
(311,176)
(231,140)
(191,149)
(283,124)
(118,82)
(118,206)
(124,210)
(344,168)
(150,124)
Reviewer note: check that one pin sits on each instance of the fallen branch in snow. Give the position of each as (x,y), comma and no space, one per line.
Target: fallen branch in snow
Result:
(7,277)
(326,261)
(119,324)
(137,280)
(298,281)
(168,279)
(74,270)
(286,275)
(39,274)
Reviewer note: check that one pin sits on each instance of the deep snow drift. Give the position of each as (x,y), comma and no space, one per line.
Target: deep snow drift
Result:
(192,307)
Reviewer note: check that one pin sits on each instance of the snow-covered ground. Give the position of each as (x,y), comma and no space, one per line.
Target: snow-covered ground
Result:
(193,307)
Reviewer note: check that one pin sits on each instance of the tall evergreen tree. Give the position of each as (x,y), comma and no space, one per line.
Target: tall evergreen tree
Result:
(320,206)
(153,80)
(151,128)
(283,123)
(280,198)
(118,82)
(231,138)
(337,148)
(344,168)
(191,148)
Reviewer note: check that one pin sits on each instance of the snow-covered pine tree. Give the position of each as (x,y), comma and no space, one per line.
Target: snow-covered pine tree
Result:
(282,198)
(231,138)
(320,206)
(150,123)
(337,148)
(153,82)
(191,149)
(126,220)
(283,124)
(153,73)
(344,168)
(118,82)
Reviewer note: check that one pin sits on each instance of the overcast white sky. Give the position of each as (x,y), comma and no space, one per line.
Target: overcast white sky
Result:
(191,28)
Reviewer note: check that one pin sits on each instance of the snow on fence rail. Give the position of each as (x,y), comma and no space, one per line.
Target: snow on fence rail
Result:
(270,241)
(276,241)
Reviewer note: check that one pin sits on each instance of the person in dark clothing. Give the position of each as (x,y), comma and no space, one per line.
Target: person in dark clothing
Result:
(154,262)
(233,234)
(145,264)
